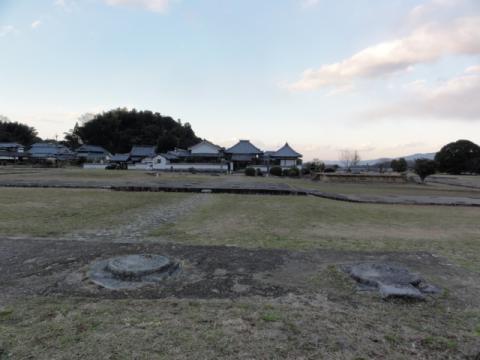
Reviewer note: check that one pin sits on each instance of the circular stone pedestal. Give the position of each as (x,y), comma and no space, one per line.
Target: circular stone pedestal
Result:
(392,281)
(136,266)
(131,271)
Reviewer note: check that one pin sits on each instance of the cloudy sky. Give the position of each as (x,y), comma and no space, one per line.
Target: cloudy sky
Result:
(388,78)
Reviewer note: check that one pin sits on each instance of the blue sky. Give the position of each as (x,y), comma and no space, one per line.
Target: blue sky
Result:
(387,78)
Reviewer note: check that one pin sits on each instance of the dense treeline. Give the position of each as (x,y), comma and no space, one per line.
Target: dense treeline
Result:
(16,132)
(117,130)
(458,157)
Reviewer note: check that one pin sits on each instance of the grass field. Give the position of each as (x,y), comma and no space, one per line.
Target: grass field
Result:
(57,212)
(301,223)
(247,329)
(115,177)
(331,321)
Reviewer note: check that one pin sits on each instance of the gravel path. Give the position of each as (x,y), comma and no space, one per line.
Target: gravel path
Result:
(135,226)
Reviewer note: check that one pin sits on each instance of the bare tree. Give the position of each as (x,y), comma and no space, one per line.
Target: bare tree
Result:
(345,156)
(355,158)
(349,158)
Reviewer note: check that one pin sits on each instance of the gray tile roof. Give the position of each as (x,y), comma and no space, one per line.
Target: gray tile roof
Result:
(206,142)
(286,152)
(169,156)
(143,151)
(179,152)
(244,147)
(10,145)
(92,149)
(45,150)
(120,158)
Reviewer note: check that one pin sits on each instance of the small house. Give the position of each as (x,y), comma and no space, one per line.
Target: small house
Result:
(51,151)
(140,152)
(92,153)
(11,152)
(285,157)
(206,152)
(244,154)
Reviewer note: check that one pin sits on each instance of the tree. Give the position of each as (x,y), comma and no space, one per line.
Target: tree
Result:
(316,165)
(425,167)
(117,130)
(349,158)
(71,138)
(457,157)
(399,165)
(17,132)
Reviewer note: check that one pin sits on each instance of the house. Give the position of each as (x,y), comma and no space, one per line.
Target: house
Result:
(51,151)
(11,152)
(140,152)
(206,152)
(244,154)
(202,157)
(285,157)
(177,155)
(92,153)
(120,160)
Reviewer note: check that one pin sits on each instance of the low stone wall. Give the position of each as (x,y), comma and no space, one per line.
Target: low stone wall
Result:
(179,167)
(95,166)
(361,178)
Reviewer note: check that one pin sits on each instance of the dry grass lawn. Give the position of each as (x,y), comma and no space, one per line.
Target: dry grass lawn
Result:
(309,222)
(57,212)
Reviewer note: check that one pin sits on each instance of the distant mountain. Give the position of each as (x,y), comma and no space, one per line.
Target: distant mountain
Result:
(414,157)
(409,158)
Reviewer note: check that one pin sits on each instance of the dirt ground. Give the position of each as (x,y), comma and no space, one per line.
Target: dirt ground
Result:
(56,267)
(260,297)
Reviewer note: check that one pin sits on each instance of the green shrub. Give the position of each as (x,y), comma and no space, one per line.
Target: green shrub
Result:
(259,172)
(425,167)
(293,172)
(249,171)
(285,172)
(276,171)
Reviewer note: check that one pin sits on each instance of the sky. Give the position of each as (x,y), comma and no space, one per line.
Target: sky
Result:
(386,78)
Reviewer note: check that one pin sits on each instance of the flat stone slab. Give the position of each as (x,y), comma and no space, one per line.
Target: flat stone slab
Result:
(400,291)
(392,281)
(375,273)
(131,271)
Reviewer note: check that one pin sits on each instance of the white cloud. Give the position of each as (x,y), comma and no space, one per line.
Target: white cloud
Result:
(426,44)
(6,30)
(66,5)
(151,5)
(456,99)
(36,24)
(309,3)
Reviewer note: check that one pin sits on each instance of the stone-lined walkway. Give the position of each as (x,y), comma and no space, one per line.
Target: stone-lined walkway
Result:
(136,226)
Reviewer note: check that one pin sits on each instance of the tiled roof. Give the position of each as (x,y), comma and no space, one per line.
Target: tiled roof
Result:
(41,150)
(10,145)
(207,143)
(286,152)
(92,149)
(120,157)
(143,151)
(244,147)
